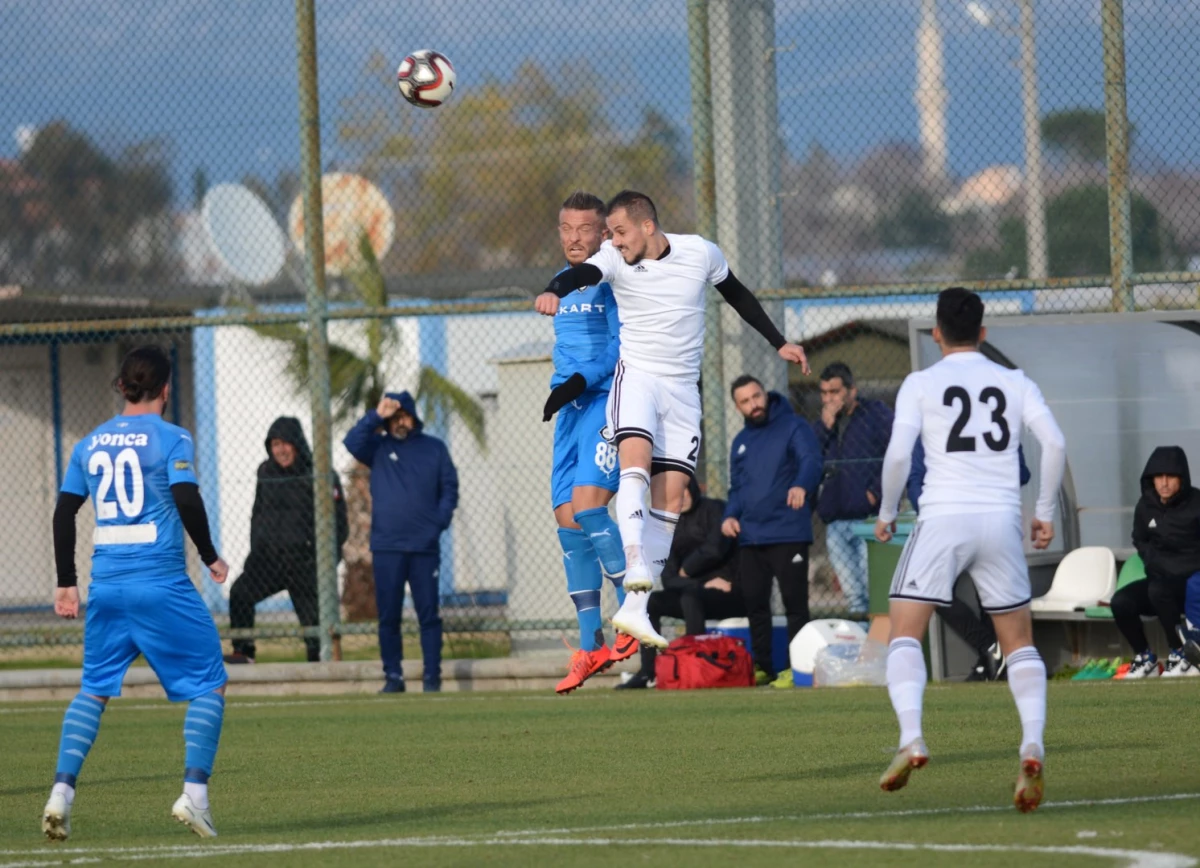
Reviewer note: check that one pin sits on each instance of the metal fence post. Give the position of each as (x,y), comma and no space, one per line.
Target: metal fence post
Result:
(704,186)
(1116,129)
(317,307)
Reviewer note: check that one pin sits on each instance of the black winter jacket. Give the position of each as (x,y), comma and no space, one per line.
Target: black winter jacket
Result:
(282,518)
(1167,535)
(699,548)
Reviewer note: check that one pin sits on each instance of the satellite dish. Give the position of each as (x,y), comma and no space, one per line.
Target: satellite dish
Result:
(351,205)
(243,233)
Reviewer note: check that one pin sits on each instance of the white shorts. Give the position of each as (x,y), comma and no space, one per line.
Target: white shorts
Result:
(663,410)
(988,545)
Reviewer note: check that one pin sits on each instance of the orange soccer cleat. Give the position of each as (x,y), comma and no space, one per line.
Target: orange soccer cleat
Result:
(584,664)
(624,647)
(1030,783)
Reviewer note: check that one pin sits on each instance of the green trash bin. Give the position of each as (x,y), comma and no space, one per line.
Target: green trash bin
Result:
(882,560)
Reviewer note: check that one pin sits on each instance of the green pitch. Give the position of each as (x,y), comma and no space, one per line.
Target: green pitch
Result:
(762,777)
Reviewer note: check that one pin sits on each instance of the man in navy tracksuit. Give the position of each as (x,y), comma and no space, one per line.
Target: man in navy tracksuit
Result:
(414,490)
(774,470)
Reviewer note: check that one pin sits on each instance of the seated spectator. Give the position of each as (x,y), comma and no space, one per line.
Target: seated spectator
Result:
(699,579)
(282,538)
(1166,533)
(974,629)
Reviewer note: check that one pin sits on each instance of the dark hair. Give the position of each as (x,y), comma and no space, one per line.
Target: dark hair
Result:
(838,371)
(144,373)
(744,380)
(959,316)
(638,206)
(581,200)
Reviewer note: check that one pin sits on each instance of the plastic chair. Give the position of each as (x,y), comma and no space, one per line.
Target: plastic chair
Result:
(1083,578)
(1133,570)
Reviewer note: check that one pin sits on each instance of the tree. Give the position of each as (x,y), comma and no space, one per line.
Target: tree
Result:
(86,216)
(482,182)
(1079,134)
(1077,236)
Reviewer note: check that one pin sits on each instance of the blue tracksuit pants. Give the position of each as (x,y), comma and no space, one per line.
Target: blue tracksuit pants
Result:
(420,571)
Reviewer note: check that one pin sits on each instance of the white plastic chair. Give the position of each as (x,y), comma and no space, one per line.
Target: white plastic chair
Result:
(1083,578)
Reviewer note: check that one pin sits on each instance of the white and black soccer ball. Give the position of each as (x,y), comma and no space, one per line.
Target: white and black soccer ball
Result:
(426,78)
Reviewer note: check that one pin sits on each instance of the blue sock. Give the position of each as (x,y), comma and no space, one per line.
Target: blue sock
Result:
(1191,605)
(81,724)
(201,734)
(583,584)
(606,540)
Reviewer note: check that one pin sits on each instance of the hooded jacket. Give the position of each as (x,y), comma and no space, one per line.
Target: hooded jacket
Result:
(765,461)
(414,485)
(1167,535)
(282,517)
(853,453)
(698,547)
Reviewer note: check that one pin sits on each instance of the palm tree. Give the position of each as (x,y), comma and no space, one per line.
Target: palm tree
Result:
(356,385)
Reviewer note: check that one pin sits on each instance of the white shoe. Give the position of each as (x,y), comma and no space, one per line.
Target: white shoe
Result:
(200,822)
(1143,666)
(637,578)
(637,624)
(56,818)
(1178,666)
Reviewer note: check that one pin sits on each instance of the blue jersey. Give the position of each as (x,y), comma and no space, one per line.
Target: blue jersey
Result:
(127,466)
(586,337)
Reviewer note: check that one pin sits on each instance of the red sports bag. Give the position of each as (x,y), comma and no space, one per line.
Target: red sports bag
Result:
(711,660)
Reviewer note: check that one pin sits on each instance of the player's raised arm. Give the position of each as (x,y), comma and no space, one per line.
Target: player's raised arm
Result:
(749,309)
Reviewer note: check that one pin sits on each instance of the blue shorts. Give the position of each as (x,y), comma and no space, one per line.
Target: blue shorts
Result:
(581,455)
(161,618)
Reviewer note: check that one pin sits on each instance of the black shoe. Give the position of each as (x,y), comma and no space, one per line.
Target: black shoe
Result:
(979,672)
(238,658)
(433,686)
(393,685)
(637,682)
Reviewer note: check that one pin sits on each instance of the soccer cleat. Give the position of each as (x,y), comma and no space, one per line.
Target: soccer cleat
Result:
(56,818)
(762,677)
(637,625)
(912,756)
(1030,786)
(637,681)
(637,578)
(584,664)
(623,647)
(1178,666)
(200,822)
(786,679)
(1144,665)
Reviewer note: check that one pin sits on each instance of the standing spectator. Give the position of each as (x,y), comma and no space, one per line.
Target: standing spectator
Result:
(774,465)
(854,434)
(414,490)
(1166,533)
(699,579)
(282,538)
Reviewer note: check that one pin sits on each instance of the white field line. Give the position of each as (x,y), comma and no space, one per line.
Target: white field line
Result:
(1127,858)
(561,837)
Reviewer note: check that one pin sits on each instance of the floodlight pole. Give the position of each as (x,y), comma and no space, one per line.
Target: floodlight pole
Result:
(318,310)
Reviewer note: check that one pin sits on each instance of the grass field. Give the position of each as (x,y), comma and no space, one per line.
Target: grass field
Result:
(600,777)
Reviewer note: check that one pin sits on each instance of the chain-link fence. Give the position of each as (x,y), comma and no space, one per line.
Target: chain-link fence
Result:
(850,158)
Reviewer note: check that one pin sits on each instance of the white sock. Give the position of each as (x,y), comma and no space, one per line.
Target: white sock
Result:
(198,793)
(656,542)
(906,686)
(66,789)
(1027,681)
(631,511)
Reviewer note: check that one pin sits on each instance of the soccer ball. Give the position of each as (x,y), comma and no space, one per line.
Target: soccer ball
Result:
(426,78)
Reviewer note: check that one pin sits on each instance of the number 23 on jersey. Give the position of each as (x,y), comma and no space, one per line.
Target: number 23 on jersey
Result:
(996,440)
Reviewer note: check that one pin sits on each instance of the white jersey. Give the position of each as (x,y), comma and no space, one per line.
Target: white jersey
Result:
(969,412)
(660,303)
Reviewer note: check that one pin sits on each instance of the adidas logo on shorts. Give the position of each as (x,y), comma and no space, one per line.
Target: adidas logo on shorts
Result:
(637,514)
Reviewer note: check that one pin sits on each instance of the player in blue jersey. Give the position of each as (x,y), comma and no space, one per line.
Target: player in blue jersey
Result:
(138,472)
(585,475)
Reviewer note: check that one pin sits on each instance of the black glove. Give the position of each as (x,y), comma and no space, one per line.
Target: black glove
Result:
(564,394)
